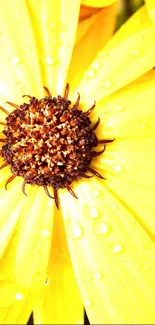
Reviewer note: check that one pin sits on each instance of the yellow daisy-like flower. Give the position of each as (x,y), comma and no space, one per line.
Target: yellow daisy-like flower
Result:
(97,250)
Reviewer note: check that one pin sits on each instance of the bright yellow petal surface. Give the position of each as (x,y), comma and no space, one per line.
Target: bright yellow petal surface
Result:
(18,53)
(97,3)
(111,227)
(26,258)
(150,4)
(129,54)
(16,304)
(60,301)
(54,24)
(92,34)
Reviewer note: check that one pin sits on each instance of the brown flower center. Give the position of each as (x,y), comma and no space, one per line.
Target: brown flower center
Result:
(50,143)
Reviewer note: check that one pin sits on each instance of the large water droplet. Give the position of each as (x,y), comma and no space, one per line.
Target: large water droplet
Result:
(91,212)
(101,228)
(75,229)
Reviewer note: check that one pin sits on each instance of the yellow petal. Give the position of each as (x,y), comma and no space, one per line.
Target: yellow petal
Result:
(15,304)
(59,302)
(129,54)
(90,39)
(97,3)
(112,254)
(128,163)
(150,4)
(18,53)
(54,24)
(26,258)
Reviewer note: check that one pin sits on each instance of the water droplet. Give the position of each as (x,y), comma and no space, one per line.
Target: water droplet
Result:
(75,229)
(137,266)
(134,52)
(52,25)
(15,21)
(45,232)
(15,59)
(90,73)
(79,281)
(88,303)
(97,275)
(119,108)
(9,293)
(101,228)
(91,212)
(113,207)
(65,43)
(63,70)
(142,126)
(117,167)
(48,60)
(96,65)
(62,28)
(28,48)
(89,278)
(117,248)
(106,84)
(19,296)
(95,193)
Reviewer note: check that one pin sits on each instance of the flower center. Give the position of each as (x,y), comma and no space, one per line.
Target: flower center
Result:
(50,143)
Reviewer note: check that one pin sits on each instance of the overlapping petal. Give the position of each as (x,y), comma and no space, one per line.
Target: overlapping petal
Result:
(91,36)
(150,4)
(97,3)
(129,54)
(60,301)
(111,228)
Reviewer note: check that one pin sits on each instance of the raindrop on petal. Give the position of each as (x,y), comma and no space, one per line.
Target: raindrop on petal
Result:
(101,228)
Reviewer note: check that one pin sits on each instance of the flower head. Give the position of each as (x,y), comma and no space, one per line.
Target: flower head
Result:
(97,250)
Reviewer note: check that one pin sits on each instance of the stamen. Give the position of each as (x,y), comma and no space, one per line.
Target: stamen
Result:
(23,187)
(2,123)
(90,109)
(86,176)
(71,192)
(4,110)
(9,180)
(66,91)
(3,166)
(96,173)
(98,153)
(56,198)
(77,101)
(47,192)
(2,140)
(96,125)
(27,96)
(105,141)
(48,92)
(14,105)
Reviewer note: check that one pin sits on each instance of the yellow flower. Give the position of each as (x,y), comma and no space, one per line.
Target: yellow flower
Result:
(110,228)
